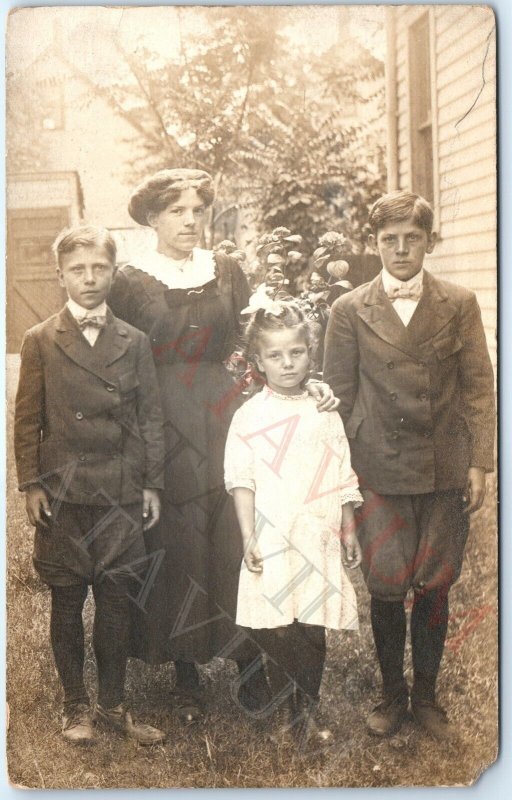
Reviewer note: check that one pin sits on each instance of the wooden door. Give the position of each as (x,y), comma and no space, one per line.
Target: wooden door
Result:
(33,293)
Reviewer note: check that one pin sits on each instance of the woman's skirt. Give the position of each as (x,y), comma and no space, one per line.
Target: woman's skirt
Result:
(185,608)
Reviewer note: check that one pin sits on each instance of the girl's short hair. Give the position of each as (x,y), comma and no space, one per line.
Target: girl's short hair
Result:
(158,191)
(84,236)
(399,206)
(290,315)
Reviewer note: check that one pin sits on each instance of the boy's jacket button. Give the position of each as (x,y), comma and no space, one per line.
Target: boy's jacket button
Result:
(393,396)
(82,457)
(79,415)
(390,364)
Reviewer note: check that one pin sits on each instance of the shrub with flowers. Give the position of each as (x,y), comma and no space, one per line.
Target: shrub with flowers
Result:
(332,246)
(277,257)
(230,248)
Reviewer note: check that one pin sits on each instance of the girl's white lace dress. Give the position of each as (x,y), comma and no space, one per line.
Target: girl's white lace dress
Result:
(297,461)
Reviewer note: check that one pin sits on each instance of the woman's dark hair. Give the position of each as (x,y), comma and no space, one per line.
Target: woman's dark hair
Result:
(84,236)
(290,315)
(155,193)
(398,207)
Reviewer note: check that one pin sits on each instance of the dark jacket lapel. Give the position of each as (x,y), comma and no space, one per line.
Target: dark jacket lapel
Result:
(433,311)
(112,342)
(378,313)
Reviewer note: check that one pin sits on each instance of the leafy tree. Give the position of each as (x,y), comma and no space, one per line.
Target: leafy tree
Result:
(319,170)
(266,120)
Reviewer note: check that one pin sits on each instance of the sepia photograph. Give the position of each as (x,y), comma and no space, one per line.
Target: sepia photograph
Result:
(251,376)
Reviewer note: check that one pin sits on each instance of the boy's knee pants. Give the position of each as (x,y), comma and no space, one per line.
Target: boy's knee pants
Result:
(411,541)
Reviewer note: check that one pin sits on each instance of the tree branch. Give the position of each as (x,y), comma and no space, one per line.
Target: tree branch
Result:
(173,145)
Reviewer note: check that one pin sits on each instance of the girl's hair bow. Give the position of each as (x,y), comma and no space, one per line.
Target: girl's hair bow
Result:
(260,300)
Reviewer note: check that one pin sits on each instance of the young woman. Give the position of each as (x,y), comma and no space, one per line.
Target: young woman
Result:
(188,300)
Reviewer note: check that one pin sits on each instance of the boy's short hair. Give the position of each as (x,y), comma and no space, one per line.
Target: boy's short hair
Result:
(399,206)
(84,236)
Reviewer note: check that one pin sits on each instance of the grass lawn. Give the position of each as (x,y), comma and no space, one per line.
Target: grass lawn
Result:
(228,749)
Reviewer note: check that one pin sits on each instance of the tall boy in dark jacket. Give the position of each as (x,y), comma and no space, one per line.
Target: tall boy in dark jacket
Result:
(89,453)
(407,356)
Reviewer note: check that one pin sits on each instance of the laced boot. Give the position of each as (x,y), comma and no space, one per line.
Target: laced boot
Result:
(387,717)
(120,719)
(77,725)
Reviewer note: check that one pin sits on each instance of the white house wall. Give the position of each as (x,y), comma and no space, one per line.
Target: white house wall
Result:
(464,77)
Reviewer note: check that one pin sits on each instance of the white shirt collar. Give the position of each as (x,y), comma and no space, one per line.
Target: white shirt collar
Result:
(78,311)
(176,273)
(390,282)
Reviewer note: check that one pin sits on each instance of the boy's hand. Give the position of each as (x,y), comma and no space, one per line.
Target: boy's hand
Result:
(252,557)
(323,394)
(353,555)
(150,508)
(37,505)
(475,489)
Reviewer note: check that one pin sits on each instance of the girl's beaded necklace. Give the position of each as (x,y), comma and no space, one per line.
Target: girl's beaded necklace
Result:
(301,396)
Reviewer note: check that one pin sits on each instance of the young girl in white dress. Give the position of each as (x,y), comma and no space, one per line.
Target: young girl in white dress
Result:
(288,469)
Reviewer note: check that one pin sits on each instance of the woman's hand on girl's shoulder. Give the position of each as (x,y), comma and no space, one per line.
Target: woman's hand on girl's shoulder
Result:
(323,394)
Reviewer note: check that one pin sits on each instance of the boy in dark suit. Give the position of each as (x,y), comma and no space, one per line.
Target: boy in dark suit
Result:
(89,452)
(406,354)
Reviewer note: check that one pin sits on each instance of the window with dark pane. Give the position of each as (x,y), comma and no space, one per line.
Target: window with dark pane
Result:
(420,98)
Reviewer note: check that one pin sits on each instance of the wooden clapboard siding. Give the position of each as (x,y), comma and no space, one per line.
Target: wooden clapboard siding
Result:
(458,45)
(475,136)
(482,115)
(461,177)
(466,207)
(464,115)
(473,265)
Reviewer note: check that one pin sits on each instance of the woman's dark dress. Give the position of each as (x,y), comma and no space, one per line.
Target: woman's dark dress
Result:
(190,610)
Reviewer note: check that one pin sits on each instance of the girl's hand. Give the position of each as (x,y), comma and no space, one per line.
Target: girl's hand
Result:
(323,394)
(353,555)
(252,558)
(150,508)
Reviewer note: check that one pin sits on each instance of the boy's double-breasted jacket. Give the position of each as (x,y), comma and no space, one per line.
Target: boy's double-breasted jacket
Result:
(417,401)
(88,423)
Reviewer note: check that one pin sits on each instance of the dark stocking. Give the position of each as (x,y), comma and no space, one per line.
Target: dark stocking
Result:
(187,676)
(67,638)
(309,649)
(389,631)
(252,664)
(111,638)
(278,644)
(429,623)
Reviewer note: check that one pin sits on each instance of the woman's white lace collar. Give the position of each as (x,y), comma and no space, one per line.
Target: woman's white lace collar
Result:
(178,274)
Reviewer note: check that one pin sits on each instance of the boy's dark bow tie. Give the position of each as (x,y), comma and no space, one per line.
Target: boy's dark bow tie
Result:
(96,321)
(404,292)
